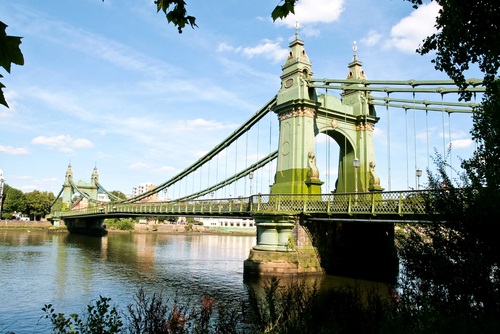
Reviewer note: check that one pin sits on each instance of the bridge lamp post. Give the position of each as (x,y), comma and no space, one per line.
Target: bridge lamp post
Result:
(355,163)
(250,176)
(419,174)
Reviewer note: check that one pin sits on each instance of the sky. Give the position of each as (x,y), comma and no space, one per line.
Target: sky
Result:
(112,85)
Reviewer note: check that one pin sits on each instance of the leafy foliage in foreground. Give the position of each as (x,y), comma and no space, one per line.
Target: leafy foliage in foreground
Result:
(99,318)
(278,308)
(10,53)
(466,31)
(149,315)
(452,267)
(302,309)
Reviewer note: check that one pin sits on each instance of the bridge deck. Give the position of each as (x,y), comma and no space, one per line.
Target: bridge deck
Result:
(395,204)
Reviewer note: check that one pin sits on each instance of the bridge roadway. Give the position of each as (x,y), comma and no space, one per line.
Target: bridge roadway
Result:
(393,205)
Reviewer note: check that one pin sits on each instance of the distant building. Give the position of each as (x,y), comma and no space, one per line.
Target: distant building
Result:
(143,188)
(79,203)
(102,197)
(227,222)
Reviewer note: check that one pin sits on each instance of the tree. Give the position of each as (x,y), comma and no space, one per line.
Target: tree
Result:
(13,200)
(176,13)
(118,194)
(453,264)
(468,32)
(10,53)
(38,203)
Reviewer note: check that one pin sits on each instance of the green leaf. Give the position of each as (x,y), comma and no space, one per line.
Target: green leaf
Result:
(282,11)
(2,98)
(9,49)
(9,53)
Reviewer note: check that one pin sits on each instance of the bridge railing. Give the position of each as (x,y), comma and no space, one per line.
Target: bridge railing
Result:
(395,203)
(373,203)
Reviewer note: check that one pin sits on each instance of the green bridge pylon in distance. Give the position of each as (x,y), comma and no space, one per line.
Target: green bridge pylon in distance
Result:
(90,189)
(283,245)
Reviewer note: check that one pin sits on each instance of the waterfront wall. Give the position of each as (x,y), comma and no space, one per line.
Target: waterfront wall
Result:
(7,223)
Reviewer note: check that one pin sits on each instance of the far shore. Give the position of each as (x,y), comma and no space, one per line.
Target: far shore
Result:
(139,228)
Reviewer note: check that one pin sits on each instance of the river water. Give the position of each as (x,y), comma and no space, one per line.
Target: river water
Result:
(72,271)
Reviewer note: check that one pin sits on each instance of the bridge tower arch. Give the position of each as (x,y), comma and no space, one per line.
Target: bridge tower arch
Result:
(86,189)
(351,123)
(284,245)
(303,115)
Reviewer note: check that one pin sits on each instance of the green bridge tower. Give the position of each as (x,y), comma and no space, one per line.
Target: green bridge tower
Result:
(284,244)
(84,189)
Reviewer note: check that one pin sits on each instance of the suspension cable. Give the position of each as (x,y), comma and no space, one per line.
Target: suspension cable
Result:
(388,144)
(415,141)
(450,145)
(427,135)
(257,188)
(270,147)
(235,168)
(246,163)
(217,170)
(344,162)
(328,161)
(444,133)
(407,156)
(225,173)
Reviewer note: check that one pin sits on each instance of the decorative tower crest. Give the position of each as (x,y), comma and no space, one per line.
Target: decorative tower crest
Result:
(296,108)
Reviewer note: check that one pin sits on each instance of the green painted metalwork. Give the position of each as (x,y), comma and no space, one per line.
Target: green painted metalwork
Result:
(376,205)
(84,189)
(261,163)
(216,150)
(296,192)
(303,115)
(296,171)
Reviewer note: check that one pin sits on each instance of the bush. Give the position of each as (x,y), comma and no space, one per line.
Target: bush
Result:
(148,315)
(124,224)
(299,308)
(99,318)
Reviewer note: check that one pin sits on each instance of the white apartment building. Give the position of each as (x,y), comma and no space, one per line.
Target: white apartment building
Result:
(227,222)
(144,187)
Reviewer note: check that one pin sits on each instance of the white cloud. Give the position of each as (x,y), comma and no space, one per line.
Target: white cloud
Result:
(106,49)
(311,12)
(409,33)
(372,38)
(66,102)
(63,143)
(267,48)
(462,143)
(13,150)
(139,165)
(200,124)
(166,169)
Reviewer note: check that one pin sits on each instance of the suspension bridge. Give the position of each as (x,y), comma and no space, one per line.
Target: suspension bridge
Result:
(306,223)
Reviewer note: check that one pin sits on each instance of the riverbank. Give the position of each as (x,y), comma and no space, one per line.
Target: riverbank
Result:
(25,224)
(138,228)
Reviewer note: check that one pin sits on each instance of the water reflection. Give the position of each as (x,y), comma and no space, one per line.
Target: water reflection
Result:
(70,271)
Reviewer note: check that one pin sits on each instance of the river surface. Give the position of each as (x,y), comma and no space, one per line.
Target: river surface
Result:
(72,271)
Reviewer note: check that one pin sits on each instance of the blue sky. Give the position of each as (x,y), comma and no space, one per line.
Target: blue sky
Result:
(111,84)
